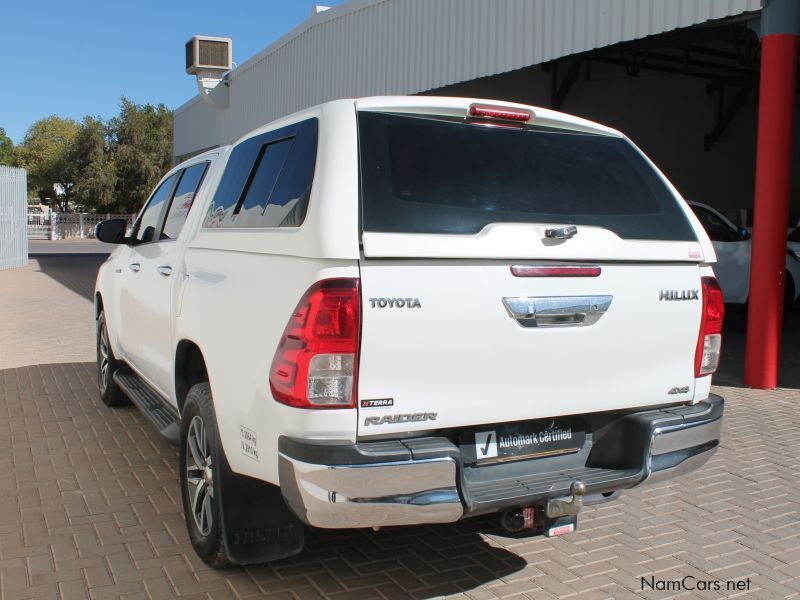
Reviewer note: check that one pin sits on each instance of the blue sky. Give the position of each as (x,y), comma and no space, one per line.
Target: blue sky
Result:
(78,57)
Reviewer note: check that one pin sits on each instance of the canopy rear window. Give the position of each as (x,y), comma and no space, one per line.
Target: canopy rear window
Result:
(422,174)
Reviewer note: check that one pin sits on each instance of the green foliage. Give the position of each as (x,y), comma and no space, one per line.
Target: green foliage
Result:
(107,167)
(93,170)
(7,154)
(45,153)
(141,137)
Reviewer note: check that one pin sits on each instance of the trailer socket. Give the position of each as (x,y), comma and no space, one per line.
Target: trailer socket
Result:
(516,520)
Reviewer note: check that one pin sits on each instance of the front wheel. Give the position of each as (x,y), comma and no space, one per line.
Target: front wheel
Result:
(200,471)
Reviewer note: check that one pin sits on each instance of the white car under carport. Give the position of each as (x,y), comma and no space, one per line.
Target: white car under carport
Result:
(733,247)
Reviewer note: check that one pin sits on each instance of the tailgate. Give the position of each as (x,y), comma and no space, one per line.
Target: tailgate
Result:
(452,337)
(453,343)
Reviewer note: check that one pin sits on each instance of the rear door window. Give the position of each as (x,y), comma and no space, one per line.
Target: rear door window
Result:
(422,174)
(267,181)
(182,200)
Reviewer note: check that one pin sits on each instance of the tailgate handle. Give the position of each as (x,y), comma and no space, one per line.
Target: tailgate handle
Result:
(561,233)
(557,311)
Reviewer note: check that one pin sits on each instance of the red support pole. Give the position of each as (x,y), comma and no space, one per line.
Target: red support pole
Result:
(771,211)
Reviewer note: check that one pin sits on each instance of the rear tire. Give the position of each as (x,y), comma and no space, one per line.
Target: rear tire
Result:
(107,365)
(201,476)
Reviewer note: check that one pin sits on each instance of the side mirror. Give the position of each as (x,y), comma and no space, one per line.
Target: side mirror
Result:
(744,233)
(111,231)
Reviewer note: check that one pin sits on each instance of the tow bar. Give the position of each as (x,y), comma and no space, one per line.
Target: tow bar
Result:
(558,516)
(561,507)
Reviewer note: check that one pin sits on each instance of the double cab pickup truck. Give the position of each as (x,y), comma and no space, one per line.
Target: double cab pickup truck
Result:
(405,310)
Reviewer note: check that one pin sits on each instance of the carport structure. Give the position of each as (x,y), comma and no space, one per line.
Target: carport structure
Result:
(684,79)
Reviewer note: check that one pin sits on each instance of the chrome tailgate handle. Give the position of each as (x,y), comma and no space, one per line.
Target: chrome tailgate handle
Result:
(557,311)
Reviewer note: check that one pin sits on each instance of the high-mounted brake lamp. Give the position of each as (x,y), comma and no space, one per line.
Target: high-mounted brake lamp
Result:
(499,113)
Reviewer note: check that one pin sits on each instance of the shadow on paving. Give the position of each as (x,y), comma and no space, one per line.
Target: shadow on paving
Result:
(76,272)
(111,461)
(731,369)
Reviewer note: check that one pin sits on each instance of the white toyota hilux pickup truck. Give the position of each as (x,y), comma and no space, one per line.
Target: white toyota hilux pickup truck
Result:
(404,310)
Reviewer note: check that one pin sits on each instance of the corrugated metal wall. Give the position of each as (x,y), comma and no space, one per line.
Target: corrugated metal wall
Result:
(13,217)
(376,47)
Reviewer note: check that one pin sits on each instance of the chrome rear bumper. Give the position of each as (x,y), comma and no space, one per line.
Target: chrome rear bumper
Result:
(679,448)
(376,495)
(415,481)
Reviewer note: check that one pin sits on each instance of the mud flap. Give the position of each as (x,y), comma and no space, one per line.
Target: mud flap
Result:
(257,524)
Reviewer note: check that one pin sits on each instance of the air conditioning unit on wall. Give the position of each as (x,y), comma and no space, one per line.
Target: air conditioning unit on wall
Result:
(206,53)
(208,59)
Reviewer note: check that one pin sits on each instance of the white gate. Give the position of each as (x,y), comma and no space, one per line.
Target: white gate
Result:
(38,226)
(13,207)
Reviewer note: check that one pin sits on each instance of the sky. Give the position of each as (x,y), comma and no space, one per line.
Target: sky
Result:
(79,57)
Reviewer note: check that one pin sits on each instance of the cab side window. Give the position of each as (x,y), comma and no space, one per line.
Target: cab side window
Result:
(182,200)
(151,215)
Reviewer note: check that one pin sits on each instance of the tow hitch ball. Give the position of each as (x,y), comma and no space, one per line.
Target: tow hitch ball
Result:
(561,507)
(556,517)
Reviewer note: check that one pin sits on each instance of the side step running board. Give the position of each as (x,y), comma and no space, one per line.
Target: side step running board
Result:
(151,403)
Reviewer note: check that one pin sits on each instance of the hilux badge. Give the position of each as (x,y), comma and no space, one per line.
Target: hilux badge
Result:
(679,295)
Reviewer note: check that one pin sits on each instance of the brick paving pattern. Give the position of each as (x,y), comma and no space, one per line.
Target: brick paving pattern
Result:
(90,508)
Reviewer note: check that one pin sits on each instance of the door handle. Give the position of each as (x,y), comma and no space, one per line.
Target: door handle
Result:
(164,270)
(134,267)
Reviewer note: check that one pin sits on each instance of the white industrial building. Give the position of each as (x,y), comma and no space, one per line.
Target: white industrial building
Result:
(680,77)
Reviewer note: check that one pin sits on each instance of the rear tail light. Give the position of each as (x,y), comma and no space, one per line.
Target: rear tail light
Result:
(316,360)
(709,342)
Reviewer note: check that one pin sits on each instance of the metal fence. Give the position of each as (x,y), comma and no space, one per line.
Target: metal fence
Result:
(60,225)
(13,206)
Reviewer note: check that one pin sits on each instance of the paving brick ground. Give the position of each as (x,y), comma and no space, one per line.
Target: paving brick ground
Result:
(89,505)
(46,310)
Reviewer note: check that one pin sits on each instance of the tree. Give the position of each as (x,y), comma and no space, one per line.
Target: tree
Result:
(45,153)
(141,138)
(92,167)
(7,154)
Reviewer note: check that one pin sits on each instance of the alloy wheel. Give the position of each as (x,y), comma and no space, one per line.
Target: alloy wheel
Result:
(105,359)
(199,476)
